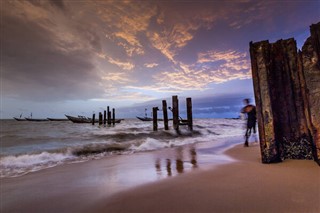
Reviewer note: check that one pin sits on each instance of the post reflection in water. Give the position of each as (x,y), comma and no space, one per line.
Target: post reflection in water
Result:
(179,160)
(182,164)
(179,166)
(158,167)
(193,155)
(169,172)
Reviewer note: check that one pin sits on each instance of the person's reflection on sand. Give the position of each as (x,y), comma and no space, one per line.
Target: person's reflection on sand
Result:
(193,155)
(169,172)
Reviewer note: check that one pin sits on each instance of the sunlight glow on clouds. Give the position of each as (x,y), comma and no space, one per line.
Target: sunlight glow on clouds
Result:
(116,50)
(232,65)
(123,65)
(117,78)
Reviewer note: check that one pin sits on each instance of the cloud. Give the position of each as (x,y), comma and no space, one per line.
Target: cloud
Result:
(121,64)
(117,77)
(151,65)
(173,38)
(211,67)
(125,21)
(175,30)
(231,59)
(157,87)
(52,58)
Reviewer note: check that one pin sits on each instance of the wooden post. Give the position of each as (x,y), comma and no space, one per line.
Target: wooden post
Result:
(93,118)
(165,114)
(104,117)
(109,115)
(100,118)
(189,114)
(155,118)
(113,116)
(175,112)
(286,86)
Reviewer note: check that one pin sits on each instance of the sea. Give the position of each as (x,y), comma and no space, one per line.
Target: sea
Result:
(28,146)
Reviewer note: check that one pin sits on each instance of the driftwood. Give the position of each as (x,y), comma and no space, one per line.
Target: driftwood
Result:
(287,92)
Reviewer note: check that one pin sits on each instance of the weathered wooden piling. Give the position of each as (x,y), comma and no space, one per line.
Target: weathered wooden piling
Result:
(175,112)
(100,118)
(165,114)
(93,118)
(286,87)
(189,113)
(155,118)
(113,116)
(104,117)
(109,115)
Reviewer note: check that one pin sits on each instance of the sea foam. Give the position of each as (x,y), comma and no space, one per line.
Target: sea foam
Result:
(70,143)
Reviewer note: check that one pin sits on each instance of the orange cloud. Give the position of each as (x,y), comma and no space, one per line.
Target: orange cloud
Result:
(117,77)
(125,20)
(121,64)
(232,65)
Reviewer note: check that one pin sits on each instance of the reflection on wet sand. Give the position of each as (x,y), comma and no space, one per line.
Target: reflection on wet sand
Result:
(193,155)
(182,162)
(169,173)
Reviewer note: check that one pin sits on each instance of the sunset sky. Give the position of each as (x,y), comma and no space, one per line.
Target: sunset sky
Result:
(75,57)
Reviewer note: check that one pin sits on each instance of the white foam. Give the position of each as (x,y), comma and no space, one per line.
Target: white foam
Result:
(17,165)
(149,144)
(136,135)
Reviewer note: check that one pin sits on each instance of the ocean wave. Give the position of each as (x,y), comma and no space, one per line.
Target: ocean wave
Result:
(83,145)
(12,166)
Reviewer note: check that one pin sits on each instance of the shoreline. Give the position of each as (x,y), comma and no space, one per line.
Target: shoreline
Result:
(246,185)
(61,188)
(146,183)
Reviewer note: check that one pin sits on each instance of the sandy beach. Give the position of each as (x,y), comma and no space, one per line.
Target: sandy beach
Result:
(240,183)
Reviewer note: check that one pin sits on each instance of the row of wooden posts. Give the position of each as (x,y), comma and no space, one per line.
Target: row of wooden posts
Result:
(177,121)
(106,117)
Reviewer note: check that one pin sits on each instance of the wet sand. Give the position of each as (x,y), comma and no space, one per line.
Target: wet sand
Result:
(243,186)
(183,179)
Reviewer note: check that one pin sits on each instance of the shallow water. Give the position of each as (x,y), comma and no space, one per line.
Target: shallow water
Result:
(32,146)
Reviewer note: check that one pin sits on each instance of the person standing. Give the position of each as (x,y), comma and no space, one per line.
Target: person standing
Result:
(250,111)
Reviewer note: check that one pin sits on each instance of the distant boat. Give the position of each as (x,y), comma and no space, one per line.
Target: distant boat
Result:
(19,119)
(145,118)
(36,119)
(83,119)
(58,119)
(79,119)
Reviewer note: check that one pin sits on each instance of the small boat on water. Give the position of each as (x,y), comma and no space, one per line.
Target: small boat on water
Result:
(36,119)
(58,119)
(19,119)
(145,118)
(79,119)
(84,119)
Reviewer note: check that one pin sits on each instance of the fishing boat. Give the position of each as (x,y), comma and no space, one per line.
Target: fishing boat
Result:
(58,119)
(84,119)
(79,119)
(36,119)
(145,118)
(19,119)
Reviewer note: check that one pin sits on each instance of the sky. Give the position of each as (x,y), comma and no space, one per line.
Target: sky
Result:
(78,57)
